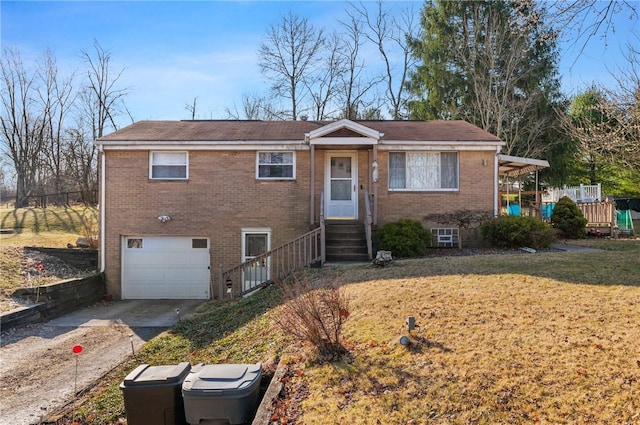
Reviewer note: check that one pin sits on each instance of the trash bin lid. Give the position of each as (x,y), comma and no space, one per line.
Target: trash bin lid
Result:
(226,377)
(157,375)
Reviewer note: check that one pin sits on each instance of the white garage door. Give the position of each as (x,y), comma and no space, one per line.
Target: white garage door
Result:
(164,267)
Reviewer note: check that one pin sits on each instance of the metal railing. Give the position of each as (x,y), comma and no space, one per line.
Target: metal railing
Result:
(367,223)
(274,265)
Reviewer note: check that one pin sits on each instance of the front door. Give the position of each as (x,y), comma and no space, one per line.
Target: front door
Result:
(254,243)
(341,185)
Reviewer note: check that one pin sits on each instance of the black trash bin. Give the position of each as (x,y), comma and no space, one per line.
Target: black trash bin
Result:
(222,393)
(153,394)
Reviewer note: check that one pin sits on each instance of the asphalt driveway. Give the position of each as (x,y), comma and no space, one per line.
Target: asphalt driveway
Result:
(39,372)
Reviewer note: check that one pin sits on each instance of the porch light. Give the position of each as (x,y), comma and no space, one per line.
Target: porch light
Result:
(164,218)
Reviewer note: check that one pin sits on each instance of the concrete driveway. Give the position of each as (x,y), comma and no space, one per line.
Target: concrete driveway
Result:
(39,372)
(132,313)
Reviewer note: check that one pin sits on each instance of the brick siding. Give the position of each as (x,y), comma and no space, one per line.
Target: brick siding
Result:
(222,196)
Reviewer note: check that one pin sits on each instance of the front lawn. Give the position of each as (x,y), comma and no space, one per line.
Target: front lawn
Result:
(519,338)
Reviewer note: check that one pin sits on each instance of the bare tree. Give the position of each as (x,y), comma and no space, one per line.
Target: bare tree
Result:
(56,96)
(604,124)
(254,107)
(358,89)
(391,37)
(82,161)
(21,124)
(288,56)
(324,85)
(624,107)
(585,19)
(102,96)
(191,107)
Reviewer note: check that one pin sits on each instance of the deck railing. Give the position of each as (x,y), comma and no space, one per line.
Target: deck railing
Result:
(599,214)
(578,194)
(367,223)
(274,265)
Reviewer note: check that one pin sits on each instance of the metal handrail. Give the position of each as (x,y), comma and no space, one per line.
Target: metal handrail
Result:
(276,264)
(367,224)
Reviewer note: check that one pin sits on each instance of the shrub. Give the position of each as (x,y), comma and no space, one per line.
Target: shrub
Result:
(91,227)
(568,219)
(315,313)
(515,231)
(404,238)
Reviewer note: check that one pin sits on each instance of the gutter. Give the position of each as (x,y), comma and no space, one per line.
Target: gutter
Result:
(102,208)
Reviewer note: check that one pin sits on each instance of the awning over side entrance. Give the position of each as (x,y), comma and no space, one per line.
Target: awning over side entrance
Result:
(515,166)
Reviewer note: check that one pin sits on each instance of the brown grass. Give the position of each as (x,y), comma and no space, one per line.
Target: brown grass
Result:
(522,338)
(503,347)
(49,227)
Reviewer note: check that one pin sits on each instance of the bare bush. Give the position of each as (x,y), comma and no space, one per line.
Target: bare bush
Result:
(315,312)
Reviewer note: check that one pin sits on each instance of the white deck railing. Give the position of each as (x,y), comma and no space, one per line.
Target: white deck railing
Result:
(578,194)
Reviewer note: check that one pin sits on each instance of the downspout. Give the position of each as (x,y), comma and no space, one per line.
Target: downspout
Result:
(496,188)
(102,209)
(312,185)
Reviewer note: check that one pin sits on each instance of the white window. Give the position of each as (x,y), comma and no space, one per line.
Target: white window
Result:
(423,171)
(276,165)
(445,237)
(168,165)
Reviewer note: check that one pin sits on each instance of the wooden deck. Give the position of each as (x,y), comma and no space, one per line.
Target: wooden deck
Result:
(601,216)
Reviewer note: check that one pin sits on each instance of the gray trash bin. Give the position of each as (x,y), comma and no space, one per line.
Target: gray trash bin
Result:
(221,393)
(153,394)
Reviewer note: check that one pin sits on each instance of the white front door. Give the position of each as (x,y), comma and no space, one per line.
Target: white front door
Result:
(341,185)
(254,243)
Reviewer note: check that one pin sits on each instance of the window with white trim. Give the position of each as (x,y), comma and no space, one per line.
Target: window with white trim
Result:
(447,237)
(276,165)
(423,171)
(168,165)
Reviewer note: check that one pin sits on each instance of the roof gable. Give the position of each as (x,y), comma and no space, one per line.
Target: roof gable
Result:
(345,126)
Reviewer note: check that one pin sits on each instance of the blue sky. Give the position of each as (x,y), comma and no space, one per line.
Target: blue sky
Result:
(174,51)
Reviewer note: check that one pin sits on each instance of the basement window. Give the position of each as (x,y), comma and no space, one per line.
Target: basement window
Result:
(447,237)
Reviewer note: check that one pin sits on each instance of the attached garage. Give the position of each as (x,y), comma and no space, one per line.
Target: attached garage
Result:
(165,267)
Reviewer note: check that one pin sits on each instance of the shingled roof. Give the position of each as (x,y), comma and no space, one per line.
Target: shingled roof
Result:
(236,130)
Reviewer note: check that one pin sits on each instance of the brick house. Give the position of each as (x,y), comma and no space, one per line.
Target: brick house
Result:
(183,201)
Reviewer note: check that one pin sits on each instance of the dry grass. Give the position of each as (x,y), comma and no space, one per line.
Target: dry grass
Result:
(50,227)
(522,338)
(493,347)
(47,220)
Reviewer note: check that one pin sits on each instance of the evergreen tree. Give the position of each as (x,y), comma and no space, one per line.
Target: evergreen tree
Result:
(492,63)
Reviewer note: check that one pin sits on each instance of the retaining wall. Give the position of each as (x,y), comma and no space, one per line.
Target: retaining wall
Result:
(84,259)
(54,300)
